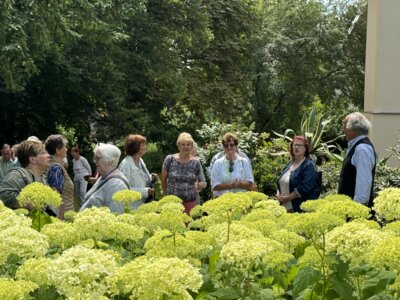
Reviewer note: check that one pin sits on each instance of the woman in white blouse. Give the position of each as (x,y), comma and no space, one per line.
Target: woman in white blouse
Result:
(134,168)
(231,173)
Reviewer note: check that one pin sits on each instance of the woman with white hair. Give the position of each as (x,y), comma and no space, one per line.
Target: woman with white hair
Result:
(111,179)
(181,173)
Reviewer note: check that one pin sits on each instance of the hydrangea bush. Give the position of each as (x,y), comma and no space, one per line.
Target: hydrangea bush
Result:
(238,246)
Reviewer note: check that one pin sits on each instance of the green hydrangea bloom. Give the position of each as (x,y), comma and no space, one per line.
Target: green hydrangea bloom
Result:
(123,232)
(314,225)
(387,204)
(314,258)
(256,196)
(38,195)
(9,219)
(289,239)
(15,289)
(22,241)
(173,207)
(156,278)
(313,205)
(237,232)
(393,227)
(354,241)
(62,235)
(169,199)
(246,254)
(126,196)
(344,208)
(94,223)
(35,270)
(228,202)
(386,254)
(81,273)
(272,206)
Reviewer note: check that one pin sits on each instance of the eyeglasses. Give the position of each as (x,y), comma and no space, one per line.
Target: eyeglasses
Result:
(229,145)
(96,158)
(231,165)
(297,145)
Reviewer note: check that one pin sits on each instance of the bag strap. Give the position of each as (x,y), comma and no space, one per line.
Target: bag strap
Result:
(108,178)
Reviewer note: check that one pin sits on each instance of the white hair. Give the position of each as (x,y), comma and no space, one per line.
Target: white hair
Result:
(358,122)
(109,153)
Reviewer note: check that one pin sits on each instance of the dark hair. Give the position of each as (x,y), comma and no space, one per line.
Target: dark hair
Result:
(132,143)
(76,149)
(54,142)
(27,149)
(305,143)
(230,137)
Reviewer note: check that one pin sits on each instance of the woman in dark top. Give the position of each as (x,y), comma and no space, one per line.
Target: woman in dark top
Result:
(298,180)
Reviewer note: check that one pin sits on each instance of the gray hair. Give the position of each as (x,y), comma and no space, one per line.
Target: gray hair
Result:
(358,122)
(109,153)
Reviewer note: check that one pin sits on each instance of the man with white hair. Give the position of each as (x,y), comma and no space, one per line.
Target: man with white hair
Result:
(358,169)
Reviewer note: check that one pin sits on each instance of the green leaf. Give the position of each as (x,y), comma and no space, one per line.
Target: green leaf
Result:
(343,288)
(377,284)
(264,294)
(39,219)
(226,294)
(213,259)
(304,279)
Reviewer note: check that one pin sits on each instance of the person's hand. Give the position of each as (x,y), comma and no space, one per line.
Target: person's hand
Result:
(200,186)
(154,177)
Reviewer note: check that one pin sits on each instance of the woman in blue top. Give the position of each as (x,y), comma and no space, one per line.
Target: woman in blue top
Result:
(298,180)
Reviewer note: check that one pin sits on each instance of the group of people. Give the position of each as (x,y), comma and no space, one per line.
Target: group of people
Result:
(182,173)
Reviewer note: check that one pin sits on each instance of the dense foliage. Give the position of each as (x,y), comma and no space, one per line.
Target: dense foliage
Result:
(107,68)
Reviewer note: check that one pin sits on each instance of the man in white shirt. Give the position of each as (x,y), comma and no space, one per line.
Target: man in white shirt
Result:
(358,169)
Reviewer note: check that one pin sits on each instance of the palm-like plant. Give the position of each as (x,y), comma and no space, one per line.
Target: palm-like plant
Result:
(312,128)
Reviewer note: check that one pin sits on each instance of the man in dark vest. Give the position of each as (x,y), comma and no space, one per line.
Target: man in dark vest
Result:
(358,169)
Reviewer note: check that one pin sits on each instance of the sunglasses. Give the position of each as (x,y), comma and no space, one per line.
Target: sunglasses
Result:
(231,164)
(229,145)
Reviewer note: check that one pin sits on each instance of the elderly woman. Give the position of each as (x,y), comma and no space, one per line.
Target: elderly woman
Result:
(181,172)
(231,172)
(134,168)
(298,180)
(57,176)
(34,161)
(111,179)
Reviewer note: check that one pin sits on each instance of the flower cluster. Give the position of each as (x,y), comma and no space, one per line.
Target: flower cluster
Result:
(35,270)
(9,219)
(126,196)
(344,208)
(237,232)
(190,246)
(15,290)
(156,278)
(387,204)
(61,235)
(314,225)
(22,241)
(38,195)
(228,202)
(386,254)
(354,241)
(246,254)
(81,273)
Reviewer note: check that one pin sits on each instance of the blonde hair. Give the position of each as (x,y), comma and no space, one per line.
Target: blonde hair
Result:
(184,137)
